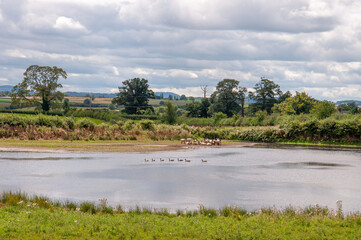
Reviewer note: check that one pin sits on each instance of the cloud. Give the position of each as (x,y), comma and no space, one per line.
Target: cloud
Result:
(115,70)
(180,45)
(68,23)
(4,80)
(258,15)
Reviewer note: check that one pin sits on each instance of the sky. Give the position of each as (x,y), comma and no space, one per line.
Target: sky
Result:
(180,45)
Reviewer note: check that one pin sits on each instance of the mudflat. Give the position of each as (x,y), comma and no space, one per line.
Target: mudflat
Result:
(102,146)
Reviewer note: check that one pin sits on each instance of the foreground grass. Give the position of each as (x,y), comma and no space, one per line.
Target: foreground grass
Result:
(24,217)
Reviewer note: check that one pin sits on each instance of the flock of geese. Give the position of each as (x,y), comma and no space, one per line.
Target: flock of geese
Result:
(172,160)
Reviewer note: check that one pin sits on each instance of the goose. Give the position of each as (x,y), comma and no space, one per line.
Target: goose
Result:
(162,160)
(204,160)
(171,160)
(153,160)
(146,160)
(187,160)
(180,160)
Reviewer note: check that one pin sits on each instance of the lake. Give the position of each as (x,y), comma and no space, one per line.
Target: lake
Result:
(249,177)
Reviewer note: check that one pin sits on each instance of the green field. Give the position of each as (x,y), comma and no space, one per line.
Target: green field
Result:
(24,217)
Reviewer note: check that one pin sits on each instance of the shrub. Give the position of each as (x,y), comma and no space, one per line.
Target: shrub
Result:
(146,124)
(324,109)
(85,123)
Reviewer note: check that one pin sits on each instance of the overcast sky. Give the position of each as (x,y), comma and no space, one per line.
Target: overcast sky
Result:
(178,45)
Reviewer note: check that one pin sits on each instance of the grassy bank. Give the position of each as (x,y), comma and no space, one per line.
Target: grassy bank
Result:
(41,127)
(33,217)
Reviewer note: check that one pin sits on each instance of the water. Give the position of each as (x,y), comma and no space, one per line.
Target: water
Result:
(248,177)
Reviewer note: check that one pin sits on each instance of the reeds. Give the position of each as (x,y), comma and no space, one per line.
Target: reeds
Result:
(22,199)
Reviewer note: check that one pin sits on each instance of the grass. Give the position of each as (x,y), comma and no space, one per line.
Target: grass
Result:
(31,217)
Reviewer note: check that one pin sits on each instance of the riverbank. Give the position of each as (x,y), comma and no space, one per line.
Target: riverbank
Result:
(121,146)
(103,146)
(24,217)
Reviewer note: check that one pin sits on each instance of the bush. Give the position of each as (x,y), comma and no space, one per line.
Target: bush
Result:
(218,116)
(324,109)
(85,123)
(146,124)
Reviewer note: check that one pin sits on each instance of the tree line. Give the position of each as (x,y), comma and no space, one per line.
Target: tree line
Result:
(40,88)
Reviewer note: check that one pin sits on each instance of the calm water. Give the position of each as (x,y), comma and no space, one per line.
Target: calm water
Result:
(248,177)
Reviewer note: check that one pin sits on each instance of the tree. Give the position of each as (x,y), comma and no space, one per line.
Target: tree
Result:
(87,102)
(301,103)
(134,95)
(242,98)
(183,97)
(170,115)
(265,95)
(204,107)
(324,109)
(170,97)
(204,90)
(228,96)
(39,88)
(66,105)
(193,109)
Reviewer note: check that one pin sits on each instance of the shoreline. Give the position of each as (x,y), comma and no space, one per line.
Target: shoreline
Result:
(64,146)
(61,146)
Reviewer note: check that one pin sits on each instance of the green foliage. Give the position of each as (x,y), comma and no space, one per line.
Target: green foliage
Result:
(66,105)
(265,95)
(198,108)
(134,95)
(146,124)
(193,109)
(87,102)
(39,88)
(227,97)
(324,109)
(218,116)
(355,110)
(170,115)
(85,123)
(301,103)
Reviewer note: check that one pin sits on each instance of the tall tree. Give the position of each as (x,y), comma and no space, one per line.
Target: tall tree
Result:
(265,95)
(134,95)
(170,114)
(39,88)
(242,98)
(228,96)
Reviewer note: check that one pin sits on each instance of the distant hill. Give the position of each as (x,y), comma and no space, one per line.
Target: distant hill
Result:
(6,88)
(97,95)
(166,94)
(358,103)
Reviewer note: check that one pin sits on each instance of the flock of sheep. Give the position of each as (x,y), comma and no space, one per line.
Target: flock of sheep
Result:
(206,142)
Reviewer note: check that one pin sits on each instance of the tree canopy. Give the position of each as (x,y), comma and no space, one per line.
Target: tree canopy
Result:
(324,109)
(301,103)
(265,95)
(39,88)
(134,95)
(227,97)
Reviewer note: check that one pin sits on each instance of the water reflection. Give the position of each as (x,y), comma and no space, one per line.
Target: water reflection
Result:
(248,177)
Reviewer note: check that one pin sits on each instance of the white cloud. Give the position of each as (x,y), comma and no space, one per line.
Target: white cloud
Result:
(68,23)
(16,53)
(313,44)
(4,80)
(338,93)
(115,71)
(189,91)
